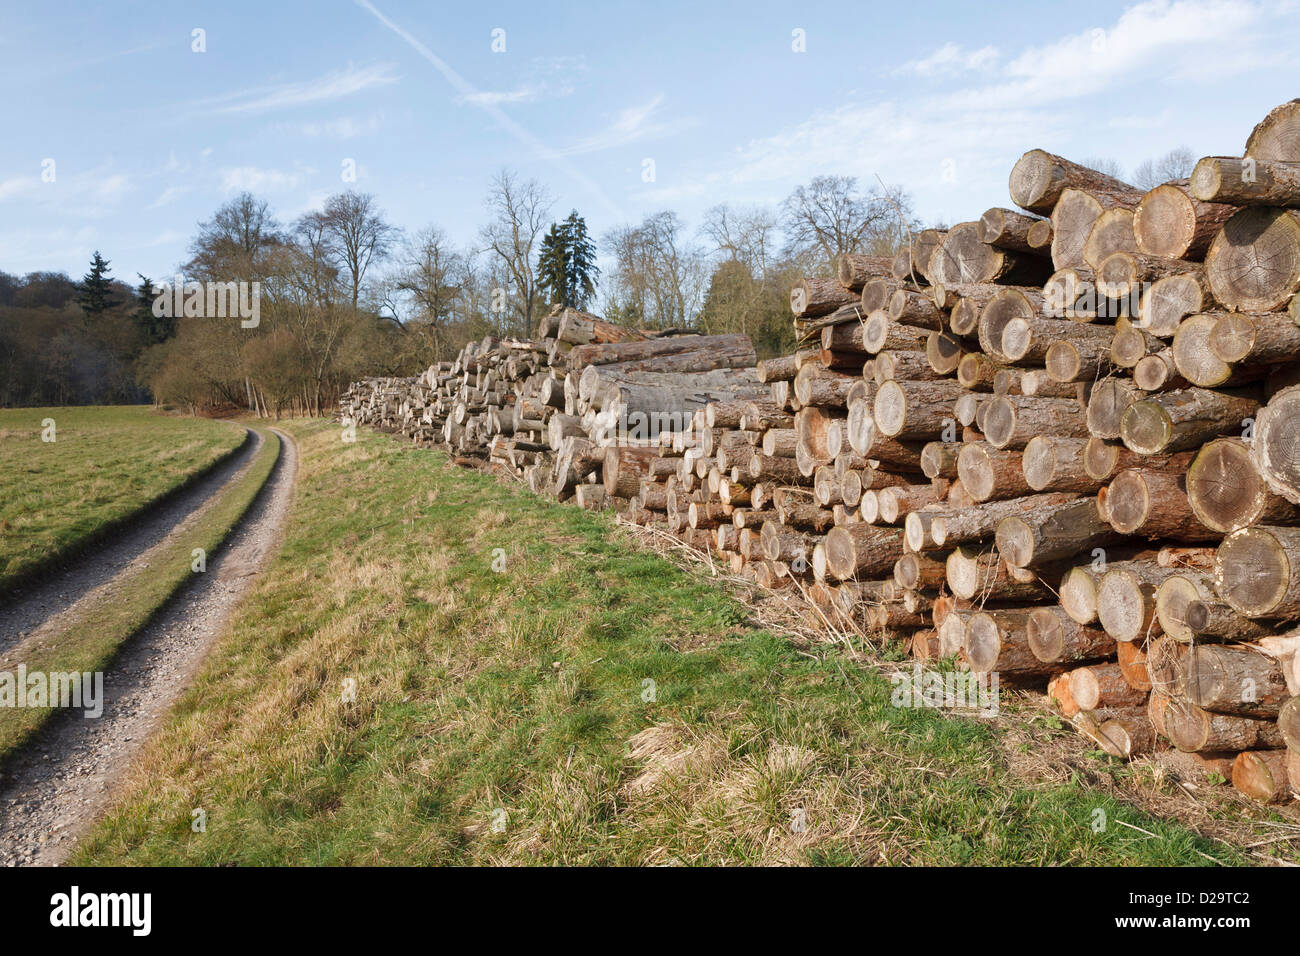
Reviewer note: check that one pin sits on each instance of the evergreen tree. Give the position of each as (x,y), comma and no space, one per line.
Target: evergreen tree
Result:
(95,291)
(566,264)
(153,328)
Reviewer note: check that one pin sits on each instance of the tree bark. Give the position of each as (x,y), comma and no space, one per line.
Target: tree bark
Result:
(1174,222)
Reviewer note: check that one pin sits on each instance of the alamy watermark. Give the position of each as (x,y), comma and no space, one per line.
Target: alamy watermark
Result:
(79,689)
(209,300)
(950,690)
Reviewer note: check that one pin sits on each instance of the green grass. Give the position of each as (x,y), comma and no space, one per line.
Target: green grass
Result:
(88,643)
(105,465)
(501,717)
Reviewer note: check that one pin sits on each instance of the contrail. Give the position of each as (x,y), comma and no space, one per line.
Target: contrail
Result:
(467,89)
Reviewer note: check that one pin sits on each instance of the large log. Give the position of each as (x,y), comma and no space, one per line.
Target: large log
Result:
(581,328)
(1126,599)
(812,298)
(1154,504)
(1246,182)
(1277,135)
(1008,229)
(999,641)
(963,258)
(951,527)
(855,271)
(1234,679)
(988,472)
(1052,533)
(861,551)
(1170,299)
(1263,775)
(1074,216)
(1192,729)
(730,351)
(1011,421)
(1055,638)
(1054,463)
(914,410)
(1226,491)
(1276,445)
(1173,421)
(1112,232)
(1039,178)
(1253,265)
(1255,572)
(1174,222)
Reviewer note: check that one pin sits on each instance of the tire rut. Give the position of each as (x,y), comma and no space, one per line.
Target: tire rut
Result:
(55,789)
(40,606)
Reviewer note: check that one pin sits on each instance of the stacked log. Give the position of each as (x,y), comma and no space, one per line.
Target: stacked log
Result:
(1059,444)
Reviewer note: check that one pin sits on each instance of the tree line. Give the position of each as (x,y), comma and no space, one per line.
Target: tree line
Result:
(344,293)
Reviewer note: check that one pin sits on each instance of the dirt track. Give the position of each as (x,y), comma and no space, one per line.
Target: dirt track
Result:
(52,792)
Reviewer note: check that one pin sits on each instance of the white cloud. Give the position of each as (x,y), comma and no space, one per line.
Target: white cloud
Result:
(523,94)
(633,125)
(951,58)
(332,86)
(343,127)
(254,178)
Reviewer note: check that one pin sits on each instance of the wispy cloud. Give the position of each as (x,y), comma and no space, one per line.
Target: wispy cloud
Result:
(523,94)
(951,59)
(332,86)
(638,123)
(255,178)
(342,127)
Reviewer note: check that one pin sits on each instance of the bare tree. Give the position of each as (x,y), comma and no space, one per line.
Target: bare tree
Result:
(659,277)
(1175,164)
(236,242)
(1110,167)
(358,235)
(830,217)
(747,235)
(520,212)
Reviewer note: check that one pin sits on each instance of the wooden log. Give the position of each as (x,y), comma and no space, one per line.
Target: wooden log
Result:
(1246,182)
(922,251)
(1026,340)
(1008,229)
(1235,679)
(1107,403)
(988,472)
(1288,723)
(948,527)
(1277,135)
(727,351)
(861,551)
(918,572)
(1131,344)
(982,575)
(1126,599)
(855,271)
(900,500)
(781,368)
(812,298)
(939,459)
(1055,638)
(1226,491)
(784,544)
(1073,218)
(580,328)
(1173,421)
(1121,732)
(1122,275)
(963,258)
(1058,691)
(999,641)
(1275,449)
(1053,463)
(1051,533)
(1173,222)
(1170,299)
(1156,372)
(1197,362)
(1154,504)
(1255,574)
(914,309)
(1039,178)
(1103,460)
(1192,729)
(1253,265)
(591,497)
(914,410)
(1262,775)
(1011,421)
(1103,685)
(1078,361)
(1188,610)
(1132,660)
(624,467)
(1111,232)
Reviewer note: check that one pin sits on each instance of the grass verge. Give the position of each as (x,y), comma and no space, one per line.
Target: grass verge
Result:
(440,668)
(89,642)
(104,466)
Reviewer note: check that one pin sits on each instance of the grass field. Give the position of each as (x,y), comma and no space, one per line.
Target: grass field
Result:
(442,668)
(104,465)
(88,643)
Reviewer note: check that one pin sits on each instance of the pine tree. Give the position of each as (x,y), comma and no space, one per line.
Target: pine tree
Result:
(566,263)
(95,291)
(153,328)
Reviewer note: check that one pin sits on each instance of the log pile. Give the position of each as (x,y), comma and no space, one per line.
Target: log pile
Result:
(1059,443)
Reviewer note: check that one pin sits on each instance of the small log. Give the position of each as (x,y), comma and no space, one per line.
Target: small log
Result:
(1192,729)
(1055,638)
(1173,421)
(1235,679)
(1263,775)
(1052,533)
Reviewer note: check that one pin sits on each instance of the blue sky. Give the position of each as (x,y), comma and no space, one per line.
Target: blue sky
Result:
(148,137)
